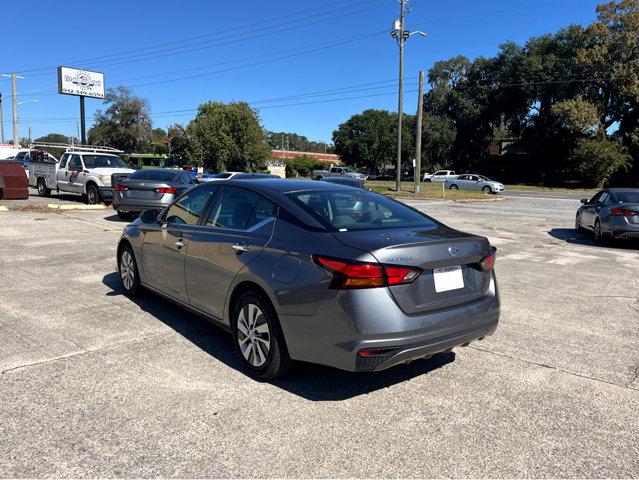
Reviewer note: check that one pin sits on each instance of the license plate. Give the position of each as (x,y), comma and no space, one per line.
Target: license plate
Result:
(448,278)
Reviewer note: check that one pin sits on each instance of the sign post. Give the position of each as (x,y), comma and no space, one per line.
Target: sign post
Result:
(81,83)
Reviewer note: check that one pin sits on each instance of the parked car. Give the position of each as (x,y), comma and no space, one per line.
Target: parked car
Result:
(474,182)
(612,213)
(212,177)
(439,176)
(151,188)
(338,172)
(83,170)
(349,182)
(316,272)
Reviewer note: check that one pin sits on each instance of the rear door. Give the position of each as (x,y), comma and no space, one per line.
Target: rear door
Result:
(589,210)
(164,247)
(236,230)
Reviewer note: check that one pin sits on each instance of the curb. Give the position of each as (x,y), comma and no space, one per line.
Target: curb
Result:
(57,206)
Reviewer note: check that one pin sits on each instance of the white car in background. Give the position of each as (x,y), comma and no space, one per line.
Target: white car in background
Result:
(439,176)
(473,181)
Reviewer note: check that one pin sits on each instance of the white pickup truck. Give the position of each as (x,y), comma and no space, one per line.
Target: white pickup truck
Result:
(439,176)
(82,169)
(338,172)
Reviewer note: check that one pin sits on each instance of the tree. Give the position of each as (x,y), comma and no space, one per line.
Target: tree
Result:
(599,159)
(301,166)
(125,124)
(178,141)
(228,137)
(369,140)
(159,142)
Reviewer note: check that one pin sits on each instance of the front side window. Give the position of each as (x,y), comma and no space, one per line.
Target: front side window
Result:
(233,209)
(189,207)
(75,163)
(595,199)
(340,210)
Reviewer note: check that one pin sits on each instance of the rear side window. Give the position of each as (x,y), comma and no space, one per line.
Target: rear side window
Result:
(189,207)
(156,175)
(233,209)
(340,210)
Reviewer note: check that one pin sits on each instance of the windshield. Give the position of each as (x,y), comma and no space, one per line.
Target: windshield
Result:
(345,210)
(627,197)
(103,161)
(485,179)
(347,170)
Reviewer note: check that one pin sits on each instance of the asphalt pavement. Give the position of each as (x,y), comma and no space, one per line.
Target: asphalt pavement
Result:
(94,384)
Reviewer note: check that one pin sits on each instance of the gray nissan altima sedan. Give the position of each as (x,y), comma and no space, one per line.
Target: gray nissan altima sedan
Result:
(316,272)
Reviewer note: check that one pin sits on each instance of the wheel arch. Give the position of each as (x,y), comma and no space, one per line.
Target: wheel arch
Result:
(90,182)
(246,285)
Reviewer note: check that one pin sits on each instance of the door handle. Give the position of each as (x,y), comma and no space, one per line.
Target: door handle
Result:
(241,247)
(181,243)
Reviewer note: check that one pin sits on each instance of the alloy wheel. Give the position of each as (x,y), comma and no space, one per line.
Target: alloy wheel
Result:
(253,335)
(597,230)
(127,270)
(41,188)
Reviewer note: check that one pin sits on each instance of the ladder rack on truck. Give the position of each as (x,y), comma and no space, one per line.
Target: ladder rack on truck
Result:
(71,148)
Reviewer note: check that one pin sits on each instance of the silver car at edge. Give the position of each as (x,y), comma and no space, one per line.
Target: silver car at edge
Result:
(473,181)
(612,213)
(316,272)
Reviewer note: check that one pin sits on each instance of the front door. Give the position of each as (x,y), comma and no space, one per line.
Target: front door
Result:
(164,247)
(589,211)
(236,230)
(73,174)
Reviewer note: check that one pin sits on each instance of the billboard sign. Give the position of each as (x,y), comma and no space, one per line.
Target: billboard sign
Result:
(73,81)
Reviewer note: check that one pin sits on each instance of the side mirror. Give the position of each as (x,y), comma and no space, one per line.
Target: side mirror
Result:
(584,200)
(149,216)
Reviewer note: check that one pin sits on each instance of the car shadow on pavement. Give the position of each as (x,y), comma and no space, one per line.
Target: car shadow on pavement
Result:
(570,235)
(313,382)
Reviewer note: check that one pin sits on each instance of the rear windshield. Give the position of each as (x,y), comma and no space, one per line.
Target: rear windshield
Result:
(103,161)
(345,210)
(157,175)
(627,197)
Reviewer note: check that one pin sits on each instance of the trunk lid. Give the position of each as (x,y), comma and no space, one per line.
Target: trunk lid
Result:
(144,189)
(428,250)
(634,219)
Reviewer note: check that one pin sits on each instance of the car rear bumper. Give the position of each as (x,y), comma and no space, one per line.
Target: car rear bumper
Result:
(357,320)
(624,229)
(138,205)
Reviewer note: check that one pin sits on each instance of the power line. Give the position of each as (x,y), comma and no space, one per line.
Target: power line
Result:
(247,36)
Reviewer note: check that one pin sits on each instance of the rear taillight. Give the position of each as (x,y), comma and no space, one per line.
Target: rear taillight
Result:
(120,188)
(348,274)
(623,212)
(166,190)
(488,263)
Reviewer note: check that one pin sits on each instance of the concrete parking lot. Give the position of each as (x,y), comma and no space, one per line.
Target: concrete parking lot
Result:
(96,384)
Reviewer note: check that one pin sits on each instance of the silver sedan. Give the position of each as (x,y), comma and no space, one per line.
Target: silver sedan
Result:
(474,182)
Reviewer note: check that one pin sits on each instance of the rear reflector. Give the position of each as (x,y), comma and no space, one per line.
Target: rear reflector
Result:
(120,188)
(166,190)
(349,274)
(623,212)
(376,352)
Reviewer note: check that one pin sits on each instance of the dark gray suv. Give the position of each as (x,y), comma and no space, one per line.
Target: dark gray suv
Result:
(312,271)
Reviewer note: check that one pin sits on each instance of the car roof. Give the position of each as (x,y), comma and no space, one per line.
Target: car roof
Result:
(621,189)
(280,185)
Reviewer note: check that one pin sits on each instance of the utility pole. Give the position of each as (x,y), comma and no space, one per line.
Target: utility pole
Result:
(418,139)
(83,135)
(14,92)
(400,100)
(401,35)
(1,118)
(29,135)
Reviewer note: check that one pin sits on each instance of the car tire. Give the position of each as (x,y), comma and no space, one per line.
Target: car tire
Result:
(258,338)
(487,190)
(43,191)
(93,197)
(123,215)
(454,187)
(129,274)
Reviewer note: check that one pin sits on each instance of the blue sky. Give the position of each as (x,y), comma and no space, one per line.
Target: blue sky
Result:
(256,51)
